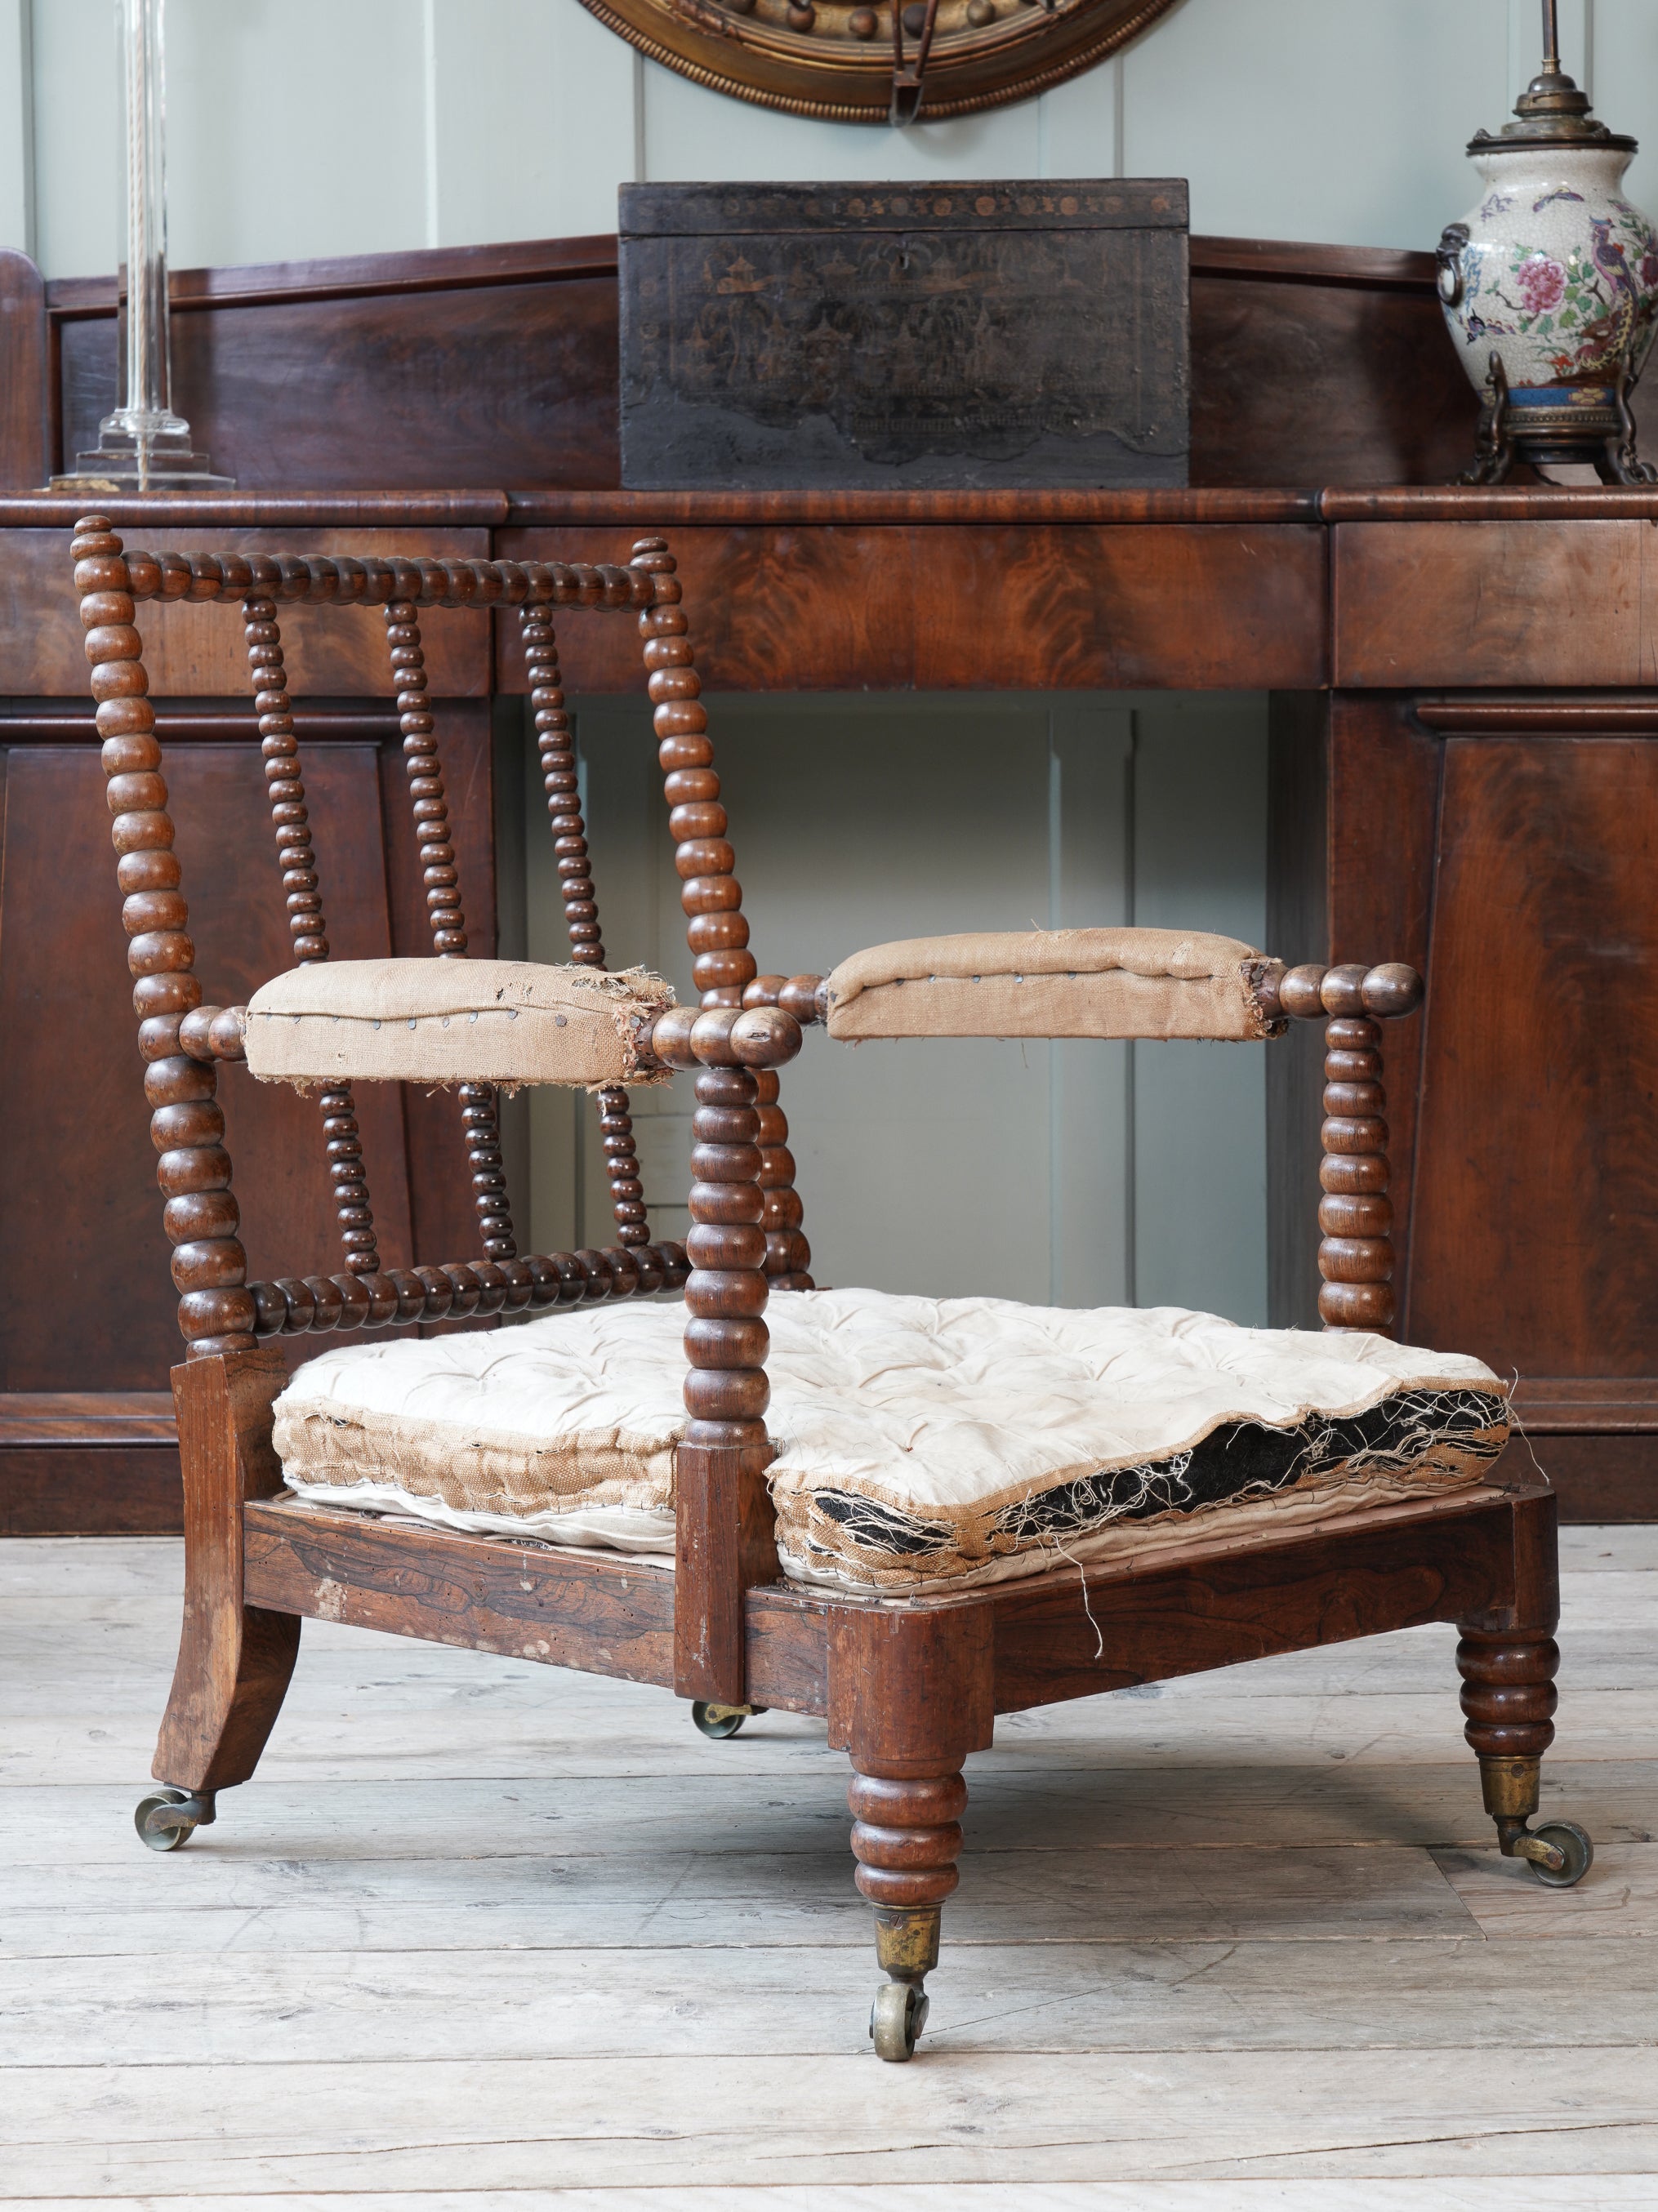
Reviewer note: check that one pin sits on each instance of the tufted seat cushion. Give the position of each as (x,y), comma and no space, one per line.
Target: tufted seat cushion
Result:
(922,1442)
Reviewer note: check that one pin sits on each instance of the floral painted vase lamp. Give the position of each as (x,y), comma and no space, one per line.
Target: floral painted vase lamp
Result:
(1550,286)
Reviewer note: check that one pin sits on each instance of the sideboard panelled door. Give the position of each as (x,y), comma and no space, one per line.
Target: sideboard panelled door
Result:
(87,1311)
(88,1321)
(1512,853)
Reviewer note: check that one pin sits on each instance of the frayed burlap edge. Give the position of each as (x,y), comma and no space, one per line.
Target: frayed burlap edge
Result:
(814,1548)
(788,1484)
(496,1472)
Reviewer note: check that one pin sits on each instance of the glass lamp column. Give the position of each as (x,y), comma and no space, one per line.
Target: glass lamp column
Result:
(143,446)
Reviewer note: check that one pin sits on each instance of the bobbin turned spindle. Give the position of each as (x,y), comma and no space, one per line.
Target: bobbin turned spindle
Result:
(217,1311)
(724,971)
(479,1118)
(716,933)
(555,744)
(1356,1257)
(290,820)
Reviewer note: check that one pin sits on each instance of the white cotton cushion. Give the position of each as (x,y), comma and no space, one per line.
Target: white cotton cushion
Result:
(921,1443)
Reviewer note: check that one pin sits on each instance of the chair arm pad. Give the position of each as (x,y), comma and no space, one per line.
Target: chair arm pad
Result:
(454,1021)
(1056,984)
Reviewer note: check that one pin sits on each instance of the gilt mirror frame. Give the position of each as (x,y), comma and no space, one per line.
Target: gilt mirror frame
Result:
(834,59)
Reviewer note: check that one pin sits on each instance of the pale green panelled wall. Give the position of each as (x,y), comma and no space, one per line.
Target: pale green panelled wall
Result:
(1078,1173)
(1075,1173)
(308,127)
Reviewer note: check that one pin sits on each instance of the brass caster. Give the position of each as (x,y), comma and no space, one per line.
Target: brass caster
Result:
(1559,1853)
(896,2018)
(720,1722)
(171,1817)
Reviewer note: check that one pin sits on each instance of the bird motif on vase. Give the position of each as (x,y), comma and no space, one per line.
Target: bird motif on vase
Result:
(1604,343)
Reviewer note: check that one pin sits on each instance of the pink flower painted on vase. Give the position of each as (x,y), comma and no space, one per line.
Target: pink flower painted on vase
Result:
(1649,268)
(1541,283)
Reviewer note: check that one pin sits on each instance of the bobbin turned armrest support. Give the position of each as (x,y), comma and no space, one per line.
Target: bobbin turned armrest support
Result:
(1348,992)
(762,1036)
(211,1033)
(1356,1255)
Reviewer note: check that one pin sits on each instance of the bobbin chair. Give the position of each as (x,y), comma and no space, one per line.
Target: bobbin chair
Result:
(961,1508)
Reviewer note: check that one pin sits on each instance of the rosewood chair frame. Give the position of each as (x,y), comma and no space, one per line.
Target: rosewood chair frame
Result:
(909,1687)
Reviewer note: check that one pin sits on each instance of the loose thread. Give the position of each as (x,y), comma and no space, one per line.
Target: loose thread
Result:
(1082,1576)
(1518,1425)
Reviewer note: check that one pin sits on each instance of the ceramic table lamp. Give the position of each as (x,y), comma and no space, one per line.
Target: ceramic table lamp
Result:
(1550,286)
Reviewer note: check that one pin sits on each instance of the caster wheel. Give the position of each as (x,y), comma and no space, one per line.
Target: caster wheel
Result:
(720,1722)
(896,2018)
(1568,1837)
(157,1826)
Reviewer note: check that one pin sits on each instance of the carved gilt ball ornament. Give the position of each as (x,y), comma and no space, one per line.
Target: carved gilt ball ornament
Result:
(844,61)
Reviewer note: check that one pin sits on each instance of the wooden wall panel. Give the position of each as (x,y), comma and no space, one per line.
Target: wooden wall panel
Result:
(1322,365)
(482,365)
(1513,862)
(1553,602)
(198,652)
(105,1461)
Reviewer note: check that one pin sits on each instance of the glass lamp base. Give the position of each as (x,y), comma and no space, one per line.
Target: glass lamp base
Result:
(141,457)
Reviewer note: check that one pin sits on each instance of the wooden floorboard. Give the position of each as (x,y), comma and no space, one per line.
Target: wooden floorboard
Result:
(486,1937)
(1601,2193)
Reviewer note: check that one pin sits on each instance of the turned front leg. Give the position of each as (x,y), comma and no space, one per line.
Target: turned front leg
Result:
(907,1838)
(909,1696)
(1509,1698)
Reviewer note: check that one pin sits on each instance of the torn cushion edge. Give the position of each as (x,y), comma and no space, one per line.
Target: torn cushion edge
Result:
(1054,983)
(921,1444)
(453,1021)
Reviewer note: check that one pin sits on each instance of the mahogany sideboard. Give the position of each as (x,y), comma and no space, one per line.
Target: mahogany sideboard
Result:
(1462,767)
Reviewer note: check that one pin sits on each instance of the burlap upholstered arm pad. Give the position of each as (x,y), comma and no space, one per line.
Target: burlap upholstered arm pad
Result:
(1053,983)
(452,1021)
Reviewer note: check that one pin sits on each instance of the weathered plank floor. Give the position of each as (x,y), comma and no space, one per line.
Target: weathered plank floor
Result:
(483,1937)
